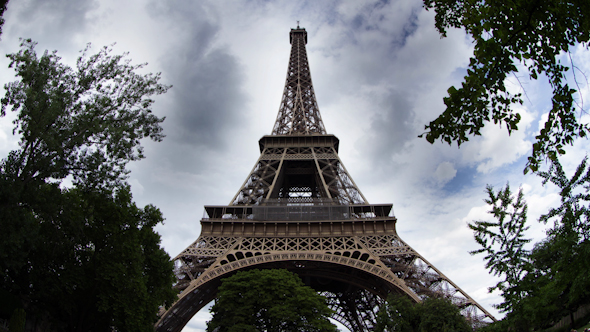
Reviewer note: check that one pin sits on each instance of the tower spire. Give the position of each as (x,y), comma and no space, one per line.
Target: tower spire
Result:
(299,113)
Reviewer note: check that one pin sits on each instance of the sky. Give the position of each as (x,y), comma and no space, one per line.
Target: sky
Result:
(380,71)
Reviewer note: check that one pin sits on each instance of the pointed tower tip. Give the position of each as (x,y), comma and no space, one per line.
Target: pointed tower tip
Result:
(298,31)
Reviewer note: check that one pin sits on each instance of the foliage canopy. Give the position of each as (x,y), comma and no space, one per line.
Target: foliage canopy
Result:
(550,281)
(268,300)
(3,4)
(531,33)
(90,261)
(85,122)
(503,242)
(83,258)
(400,314)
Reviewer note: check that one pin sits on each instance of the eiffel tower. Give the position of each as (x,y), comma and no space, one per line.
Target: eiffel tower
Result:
(300,210)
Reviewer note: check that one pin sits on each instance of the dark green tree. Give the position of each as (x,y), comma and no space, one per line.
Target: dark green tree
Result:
(85,122)
(433,314)
(438,314)
(97,264)
(268,300)
(512,37)
(83,258)
(502,241)
(542,285)
(564,256)
(399,314)
(3,4)
(17,321)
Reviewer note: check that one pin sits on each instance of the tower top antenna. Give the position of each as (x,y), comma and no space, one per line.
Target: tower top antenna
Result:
(297,24)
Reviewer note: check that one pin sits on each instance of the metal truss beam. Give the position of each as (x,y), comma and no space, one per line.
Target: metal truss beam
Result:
(299,113)
(358,270)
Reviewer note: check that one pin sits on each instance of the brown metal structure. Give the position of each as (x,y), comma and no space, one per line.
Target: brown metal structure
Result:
(299,209)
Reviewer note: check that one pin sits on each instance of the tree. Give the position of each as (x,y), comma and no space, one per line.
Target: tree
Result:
(92,260)
(3,4)
(17,321)
(268,300)
(398,314)
(532,33)
(86,122)
(82,257)
(564,256)
(433,314)
(100,265)
(544,284)
(439,314)
(503,243)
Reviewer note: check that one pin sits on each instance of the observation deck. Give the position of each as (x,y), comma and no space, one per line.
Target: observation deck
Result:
(298,220)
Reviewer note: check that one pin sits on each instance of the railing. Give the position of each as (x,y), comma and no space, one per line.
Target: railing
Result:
(297,212)
(299,201)
(301,212)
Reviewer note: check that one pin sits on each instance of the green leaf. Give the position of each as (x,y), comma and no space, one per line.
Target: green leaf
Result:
(533,32)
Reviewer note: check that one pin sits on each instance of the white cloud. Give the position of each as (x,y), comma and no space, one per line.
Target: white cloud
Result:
(8,141)
(445,172)
(138,189)
(496,147)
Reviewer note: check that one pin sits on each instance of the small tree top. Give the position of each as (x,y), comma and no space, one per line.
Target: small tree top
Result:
(268,300)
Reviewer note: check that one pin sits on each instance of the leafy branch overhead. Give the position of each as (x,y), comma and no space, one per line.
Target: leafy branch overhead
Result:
(86,122)
(532,33)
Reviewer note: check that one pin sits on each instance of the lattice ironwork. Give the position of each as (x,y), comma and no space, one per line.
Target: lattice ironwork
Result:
(299,113)
(293,174)
(346,307)
(386,257)
(299,209)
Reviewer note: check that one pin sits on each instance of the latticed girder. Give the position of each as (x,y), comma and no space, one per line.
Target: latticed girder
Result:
(355,309)
(293,173)
(383,257)
(425,279)
(299,113)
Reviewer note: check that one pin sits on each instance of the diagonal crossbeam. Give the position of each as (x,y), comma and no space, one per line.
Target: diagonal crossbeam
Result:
(299,113)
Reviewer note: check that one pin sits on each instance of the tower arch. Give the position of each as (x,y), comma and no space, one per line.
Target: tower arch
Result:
(344,281)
